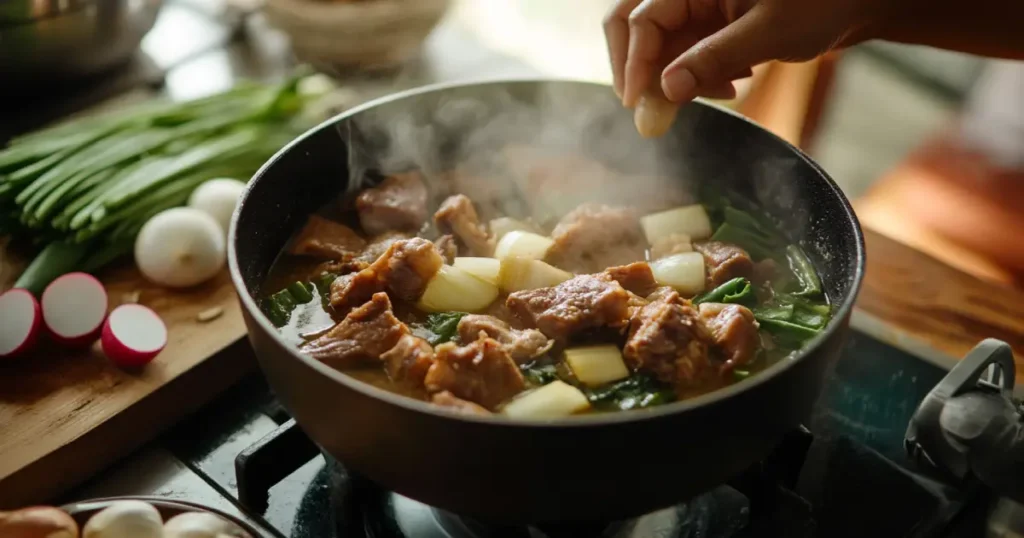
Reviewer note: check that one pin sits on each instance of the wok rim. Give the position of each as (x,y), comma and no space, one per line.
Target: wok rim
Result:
(575,421)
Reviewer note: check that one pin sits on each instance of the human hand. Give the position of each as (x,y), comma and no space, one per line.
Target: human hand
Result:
(699,47)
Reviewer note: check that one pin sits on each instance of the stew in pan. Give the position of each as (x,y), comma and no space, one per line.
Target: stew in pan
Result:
(607,308)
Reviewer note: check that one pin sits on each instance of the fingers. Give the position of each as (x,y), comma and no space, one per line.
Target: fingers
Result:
(714,61)
(616,34)
(648,23)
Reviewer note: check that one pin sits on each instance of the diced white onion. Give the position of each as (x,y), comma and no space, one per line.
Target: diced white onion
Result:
(683,272)
(518,244)
(554,400)
(691,220)
(503,225)
(596,365)
(517,274)
(455,290)
(482,268)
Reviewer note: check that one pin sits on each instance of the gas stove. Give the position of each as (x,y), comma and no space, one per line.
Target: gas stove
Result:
(847,473)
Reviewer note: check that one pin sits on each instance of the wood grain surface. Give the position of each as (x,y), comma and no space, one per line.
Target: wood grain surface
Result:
(930,301)
(65,415)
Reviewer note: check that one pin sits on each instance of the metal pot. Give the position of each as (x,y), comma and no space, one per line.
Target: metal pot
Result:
(605,466)
(50,41)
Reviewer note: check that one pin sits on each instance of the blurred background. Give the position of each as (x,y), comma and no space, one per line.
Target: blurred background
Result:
(864,114)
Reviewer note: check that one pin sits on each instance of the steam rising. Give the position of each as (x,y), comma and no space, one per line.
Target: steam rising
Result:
(538,150)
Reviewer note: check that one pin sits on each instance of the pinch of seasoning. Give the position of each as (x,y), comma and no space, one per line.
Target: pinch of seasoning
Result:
(210,314)
(131,297)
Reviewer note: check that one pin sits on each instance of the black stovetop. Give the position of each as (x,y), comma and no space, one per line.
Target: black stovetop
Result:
(845,475)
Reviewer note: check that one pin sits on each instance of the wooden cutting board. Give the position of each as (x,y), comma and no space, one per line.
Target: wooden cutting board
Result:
(66,415)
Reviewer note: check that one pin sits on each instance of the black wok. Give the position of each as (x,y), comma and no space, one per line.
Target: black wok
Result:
(603,466)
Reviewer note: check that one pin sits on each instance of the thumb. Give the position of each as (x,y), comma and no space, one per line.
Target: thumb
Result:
(714,61)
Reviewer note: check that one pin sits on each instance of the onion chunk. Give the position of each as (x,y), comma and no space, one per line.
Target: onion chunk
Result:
(683,272)
(483,268)
(519,244)
(455,290)
(596,365)
(691,220)
(518,274)
(554,400)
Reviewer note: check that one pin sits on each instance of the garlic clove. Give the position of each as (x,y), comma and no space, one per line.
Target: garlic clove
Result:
(125,519)
(202,525)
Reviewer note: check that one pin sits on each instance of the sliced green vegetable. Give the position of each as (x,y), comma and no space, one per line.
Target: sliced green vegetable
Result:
(788,333)
(539,373)
(737,290)
(804,272)
(740,374)
(635,392)
(444,326)
(56,259)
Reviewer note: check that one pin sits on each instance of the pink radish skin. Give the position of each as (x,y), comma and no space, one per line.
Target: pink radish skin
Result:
(22,322)
(133,335)
(74,307)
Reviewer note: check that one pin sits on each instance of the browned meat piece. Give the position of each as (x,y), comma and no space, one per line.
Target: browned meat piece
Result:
(593,237)
(403,270)
(724,262)
(734,330)
(449,249)
(409,360)
(361,338)
(522,345)
(582,302)
(635,278)
(378,246)
(667,339)
(447,399)
(325,238)
(398,203)
(481,372)
(669,245)
(458,216)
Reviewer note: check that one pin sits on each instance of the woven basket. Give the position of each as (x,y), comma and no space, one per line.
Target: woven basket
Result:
(364,34)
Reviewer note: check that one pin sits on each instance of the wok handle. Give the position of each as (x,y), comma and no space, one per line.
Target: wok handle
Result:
(969,429)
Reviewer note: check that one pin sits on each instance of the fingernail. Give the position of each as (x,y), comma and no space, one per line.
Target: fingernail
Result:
(618,91)
(679,85)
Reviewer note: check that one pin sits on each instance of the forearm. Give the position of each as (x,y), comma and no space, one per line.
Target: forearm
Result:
(985,27)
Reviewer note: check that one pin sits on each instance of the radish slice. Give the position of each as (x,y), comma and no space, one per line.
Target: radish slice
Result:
(133,335)
(22,321)
(74,307)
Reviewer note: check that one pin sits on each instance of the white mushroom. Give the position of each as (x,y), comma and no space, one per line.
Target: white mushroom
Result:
(125,519)
(201,525)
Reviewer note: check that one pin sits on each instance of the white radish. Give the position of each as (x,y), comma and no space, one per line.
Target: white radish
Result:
(22,320)
(218,198)
(180,247)
(74,307)
(125,519)
(201,525)
(133,335)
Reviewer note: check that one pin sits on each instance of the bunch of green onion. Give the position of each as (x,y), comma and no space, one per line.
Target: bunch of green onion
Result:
(79,193)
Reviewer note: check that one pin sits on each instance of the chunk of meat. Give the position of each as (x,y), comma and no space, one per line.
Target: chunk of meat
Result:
(480,372)
(582,302)
(448,247)
(458,216)
(670,245)
(409,360)
(403,270)
(361,338)
(399,203)
(522,345)
(724,262)
(379,245)
(447,399)
(734,330)
(667,339)
(324,238)
(635,278)
(593,237)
